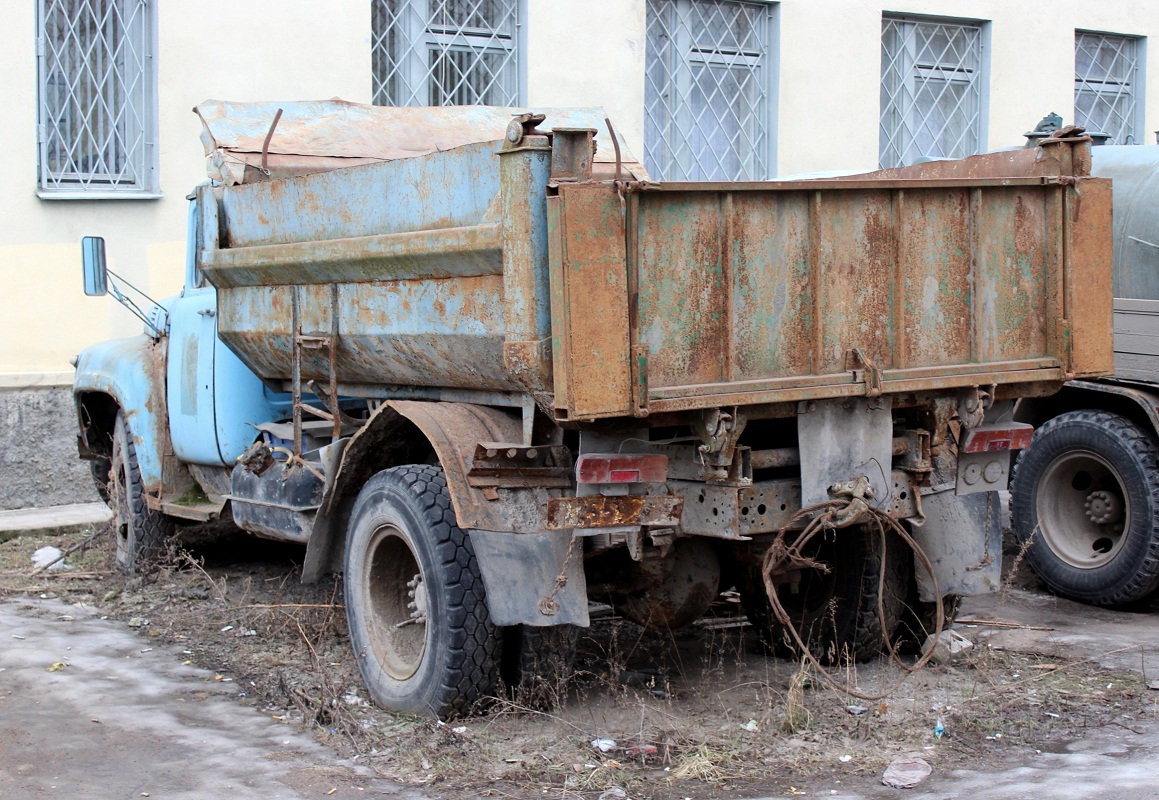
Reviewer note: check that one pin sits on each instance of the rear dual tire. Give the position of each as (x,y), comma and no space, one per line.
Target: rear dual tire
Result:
(836,614)
(415,603)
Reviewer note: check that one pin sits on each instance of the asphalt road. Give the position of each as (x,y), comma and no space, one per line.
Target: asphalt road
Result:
(118,718)
(122,719)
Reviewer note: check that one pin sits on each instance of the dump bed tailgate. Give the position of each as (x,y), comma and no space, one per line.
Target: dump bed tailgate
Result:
(676,296)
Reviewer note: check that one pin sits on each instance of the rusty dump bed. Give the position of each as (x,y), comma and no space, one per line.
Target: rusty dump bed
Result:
(503,269)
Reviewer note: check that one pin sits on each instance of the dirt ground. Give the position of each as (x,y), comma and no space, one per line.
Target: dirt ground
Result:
(695,714)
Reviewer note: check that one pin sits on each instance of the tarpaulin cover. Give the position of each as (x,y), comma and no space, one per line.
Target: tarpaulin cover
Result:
(321,135)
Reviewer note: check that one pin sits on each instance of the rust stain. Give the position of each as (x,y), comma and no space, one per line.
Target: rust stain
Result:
(598,511)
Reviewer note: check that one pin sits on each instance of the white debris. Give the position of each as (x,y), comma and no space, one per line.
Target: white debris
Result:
(604,745)
(947,645)
(46,555)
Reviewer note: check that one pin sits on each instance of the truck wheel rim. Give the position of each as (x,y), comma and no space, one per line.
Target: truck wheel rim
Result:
(398,604)
(118,485)
(1083,510)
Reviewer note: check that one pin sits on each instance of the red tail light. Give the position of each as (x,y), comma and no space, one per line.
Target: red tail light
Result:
(628,468)
(990,438)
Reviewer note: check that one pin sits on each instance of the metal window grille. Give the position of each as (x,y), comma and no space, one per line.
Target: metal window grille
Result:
(97,104)
(1105,70)
(707,109)
(445,52)
(931,94)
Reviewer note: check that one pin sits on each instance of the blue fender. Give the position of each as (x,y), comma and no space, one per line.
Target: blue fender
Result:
(131,372)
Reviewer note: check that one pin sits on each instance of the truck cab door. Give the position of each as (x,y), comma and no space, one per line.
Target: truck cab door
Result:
(190,390)
(214,399)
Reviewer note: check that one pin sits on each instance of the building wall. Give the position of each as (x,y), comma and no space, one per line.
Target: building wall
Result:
(205,50)
(578,52)
(830,70)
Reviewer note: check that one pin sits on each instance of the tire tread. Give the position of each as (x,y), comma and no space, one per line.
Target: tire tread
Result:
(1144,449)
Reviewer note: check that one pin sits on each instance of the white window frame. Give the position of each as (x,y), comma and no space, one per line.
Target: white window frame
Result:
(672,131)
(402,69)
(121,85)
(901,124)
(1132,85)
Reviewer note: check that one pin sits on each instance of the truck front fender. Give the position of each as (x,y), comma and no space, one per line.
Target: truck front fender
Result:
(130,372)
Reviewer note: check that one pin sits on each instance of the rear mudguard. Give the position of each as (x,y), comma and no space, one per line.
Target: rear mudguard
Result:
(519,559)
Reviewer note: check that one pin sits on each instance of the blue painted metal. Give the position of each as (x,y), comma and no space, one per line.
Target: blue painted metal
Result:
(189,377)
(441,190)
(128,370)
(214,399)
(240,401)
(440,261)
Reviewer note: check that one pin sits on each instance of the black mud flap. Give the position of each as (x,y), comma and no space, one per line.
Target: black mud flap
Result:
(533,578)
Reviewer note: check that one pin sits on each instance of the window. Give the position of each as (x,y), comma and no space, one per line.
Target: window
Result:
(1106,77)
(708,110)
(97,124)
(445,52)
(931,90)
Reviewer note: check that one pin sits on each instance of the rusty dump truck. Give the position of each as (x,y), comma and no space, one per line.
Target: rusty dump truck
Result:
(477,361)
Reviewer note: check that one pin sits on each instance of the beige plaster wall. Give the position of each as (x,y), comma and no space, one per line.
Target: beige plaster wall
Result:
(590,53)
(830,59)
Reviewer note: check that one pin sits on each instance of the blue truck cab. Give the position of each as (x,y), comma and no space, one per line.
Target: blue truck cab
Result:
(182,403)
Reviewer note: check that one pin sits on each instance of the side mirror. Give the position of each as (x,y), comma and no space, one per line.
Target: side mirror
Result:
(93,254)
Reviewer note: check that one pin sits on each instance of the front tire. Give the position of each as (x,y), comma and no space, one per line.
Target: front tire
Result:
(423,639)
(139,531)
(1085,495)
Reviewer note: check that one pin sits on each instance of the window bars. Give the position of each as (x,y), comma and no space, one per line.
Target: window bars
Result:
(1105,71)
(931,93)
(445,52)
(707,87)
(97,102)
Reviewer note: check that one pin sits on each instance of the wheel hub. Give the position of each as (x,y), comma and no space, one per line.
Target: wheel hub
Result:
(1103,508)
(1083,509)
(398,603)
(416,601)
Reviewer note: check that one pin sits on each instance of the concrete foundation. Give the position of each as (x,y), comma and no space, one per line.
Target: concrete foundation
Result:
(38,461)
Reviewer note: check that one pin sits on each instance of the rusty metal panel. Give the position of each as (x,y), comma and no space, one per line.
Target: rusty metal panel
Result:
(934,306)
(855,298)
(591,322)
(769,292)
(1089,302)
(1010,294)
(683,321)
(419,333)
(770,286)
(598,511)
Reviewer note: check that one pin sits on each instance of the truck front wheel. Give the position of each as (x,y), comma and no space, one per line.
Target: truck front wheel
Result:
(1086,498)
(140,532)
(423,640)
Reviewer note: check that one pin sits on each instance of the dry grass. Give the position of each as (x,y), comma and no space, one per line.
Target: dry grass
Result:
(675,703)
